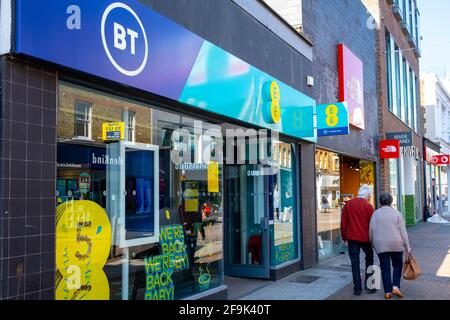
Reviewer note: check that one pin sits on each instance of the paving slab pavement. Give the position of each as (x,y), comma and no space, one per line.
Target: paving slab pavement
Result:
(332,279)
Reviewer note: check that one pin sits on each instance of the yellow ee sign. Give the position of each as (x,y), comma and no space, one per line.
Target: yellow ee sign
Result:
(272,96)
(113,131)
(332,119)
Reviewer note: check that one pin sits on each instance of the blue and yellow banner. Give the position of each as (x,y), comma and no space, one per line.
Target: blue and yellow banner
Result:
(332,119)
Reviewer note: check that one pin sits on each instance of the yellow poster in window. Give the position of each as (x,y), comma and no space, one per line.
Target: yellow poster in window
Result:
(191,205)
(113,131)
(83,243)
(213,177)
(191,199)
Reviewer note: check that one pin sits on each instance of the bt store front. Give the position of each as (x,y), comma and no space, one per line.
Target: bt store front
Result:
(160,191)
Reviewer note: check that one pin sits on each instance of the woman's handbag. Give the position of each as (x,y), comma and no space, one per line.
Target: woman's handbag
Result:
(411,269)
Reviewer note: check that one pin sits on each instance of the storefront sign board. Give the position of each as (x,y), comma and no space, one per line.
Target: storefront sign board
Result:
(128,43)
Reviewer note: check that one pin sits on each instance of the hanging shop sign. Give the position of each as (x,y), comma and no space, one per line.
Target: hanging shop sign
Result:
(332,119)
(351,85)
(113,131)
(131,44)
(442,159)
(405,138)
(389,149)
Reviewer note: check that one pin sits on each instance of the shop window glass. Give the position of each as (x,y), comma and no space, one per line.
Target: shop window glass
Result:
(418,187)
(394,182)
(282,184)
(92,262)
(444,189)
(82,119)
(367,177)
(329,203)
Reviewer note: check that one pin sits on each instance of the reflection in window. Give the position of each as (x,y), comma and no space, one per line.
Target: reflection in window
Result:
(82,119)
(284,228)
(130,124)
(328,197)
(188,257)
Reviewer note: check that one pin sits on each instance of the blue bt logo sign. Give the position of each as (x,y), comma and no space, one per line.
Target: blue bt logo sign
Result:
(124,39)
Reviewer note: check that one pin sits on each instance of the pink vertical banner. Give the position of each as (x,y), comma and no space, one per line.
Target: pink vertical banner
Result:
(351,85)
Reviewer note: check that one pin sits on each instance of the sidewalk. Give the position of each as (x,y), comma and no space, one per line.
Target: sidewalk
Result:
(333,279)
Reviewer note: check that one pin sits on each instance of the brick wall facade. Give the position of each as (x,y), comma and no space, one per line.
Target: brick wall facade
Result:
(389,122)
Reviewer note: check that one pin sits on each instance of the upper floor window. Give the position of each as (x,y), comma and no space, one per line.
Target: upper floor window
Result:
(412,104)
(398,83)
(389,70)
(411,15)
(405,104)
(83,119)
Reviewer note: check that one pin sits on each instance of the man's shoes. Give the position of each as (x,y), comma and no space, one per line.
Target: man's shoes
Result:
(357,293)
(398,293)
(371,290)
(388,296)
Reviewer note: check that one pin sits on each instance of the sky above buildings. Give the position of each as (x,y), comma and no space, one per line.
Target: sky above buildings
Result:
(435,21)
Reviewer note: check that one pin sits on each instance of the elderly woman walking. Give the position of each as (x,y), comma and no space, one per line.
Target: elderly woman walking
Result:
(389,238)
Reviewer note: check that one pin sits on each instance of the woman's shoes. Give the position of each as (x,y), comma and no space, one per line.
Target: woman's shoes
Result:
(395,292)
(398,293)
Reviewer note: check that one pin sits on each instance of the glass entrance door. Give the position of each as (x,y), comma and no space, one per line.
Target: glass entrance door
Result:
(247,221)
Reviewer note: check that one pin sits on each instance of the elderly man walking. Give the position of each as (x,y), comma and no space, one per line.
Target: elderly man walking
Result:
(355,223)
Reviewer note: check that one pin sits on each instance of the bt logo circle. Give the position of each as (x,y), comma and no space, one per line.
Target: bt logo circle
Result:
(124,39)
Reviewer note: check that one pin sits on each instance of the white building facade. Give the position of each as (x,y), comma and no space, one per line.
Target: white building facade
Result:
(436,102)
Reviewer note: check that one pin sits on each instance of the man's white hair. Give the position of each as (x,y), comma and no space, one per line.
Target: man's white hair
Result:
(365,191)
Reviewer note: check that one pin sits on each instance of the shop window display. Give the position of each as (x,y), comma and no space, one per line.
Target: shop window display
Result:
(92,261)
